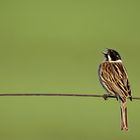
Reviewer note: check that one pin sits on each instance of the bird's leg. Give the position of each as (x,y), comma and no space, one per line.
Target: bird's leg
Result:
(117,98)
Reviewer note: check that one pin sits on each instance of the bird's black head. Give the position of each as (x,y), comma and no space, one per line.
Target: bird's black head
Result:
(112,55)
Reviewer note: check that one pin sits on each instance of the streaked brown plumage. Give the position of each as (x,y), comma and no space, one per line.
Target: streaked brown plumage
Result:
(114,78)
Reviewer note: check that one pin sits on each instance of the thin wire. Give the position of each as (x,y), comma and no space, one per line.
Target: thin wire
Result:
(61,94)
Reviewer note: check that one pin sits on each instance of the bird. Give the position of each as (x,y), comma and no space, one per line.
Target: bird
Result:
(114,78)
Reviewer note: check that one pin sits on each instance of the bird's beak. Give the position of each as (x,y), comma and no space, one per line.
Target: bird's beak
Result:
(104,53)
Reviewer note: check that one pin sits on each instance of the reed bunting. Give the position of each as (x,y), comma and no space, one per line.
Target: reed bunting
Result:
(114,78)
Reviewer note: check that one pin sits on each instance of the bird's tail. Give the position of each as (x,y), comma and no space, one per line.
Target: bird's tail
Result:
(124,118)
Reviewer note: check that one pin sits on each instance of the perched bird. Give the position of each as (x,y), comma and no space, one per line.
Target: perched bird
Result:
(114,78)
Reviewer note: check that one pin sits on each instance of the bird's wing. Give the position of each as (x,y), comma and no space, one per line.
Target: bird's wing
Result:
(114,78)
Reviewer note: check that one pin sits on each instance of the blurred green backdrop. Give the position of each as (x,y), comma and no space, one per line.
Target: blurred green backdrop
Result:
(55,46)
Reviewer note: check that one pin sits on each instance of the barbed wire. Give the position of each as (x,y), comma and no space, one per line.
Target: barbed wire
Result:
(104,96)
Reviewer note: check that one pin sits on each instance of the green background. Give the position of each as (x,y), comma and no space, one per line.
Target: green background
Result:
(54,46)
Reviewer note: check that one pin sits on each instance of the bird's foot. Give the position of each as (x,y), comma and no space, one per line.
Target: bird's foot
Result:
(105,96)
(130,98)
(117,98)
